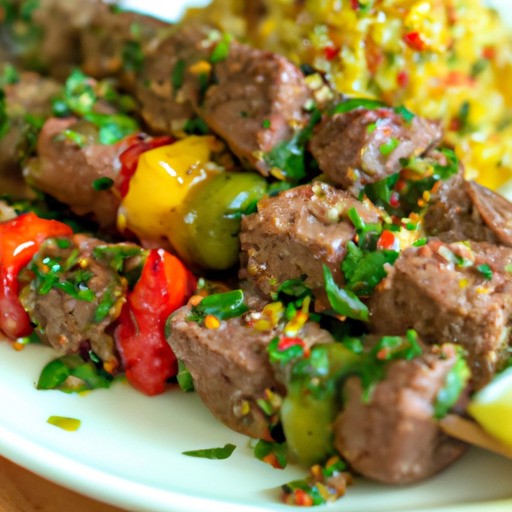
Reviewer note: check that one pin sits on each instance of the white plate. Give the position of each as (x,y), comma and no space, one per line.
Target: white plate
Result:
(128,452)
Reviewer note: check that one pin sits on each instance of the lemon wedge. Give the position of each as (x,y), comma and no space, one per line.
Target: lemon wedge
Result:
(491,407)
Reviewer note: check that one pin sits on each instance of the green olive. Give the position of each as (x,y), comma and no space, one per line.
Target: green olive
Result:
(205,227)
(312,401)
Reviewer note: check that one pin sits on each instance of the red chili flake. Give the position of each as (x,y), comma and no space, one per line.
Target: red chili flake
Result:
(272,460)
(382,354)
(331,52)
(302,498)
(285,343)
(387,240)
(415,41)
(402,79)
(400,185)
(489,52)
(394,200)
(457,78)
(455,125)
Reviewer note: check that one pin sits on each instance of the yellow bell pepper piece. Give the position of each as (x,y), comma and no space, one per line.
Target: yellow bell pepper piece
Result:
(163,178)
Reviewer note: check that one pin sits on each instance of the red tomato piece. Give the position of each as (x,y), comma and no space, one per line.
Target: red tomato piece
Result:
(164,286)
(20,239)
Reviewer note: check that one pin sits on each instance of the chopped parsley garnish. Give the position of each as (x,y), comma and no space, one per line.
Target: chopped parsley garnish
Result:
(406,114)
(271,453)
(388,147)
(355,103)
(177,76)
(107,301)
(196,126)
(80,95)
(184,378)
(280,352)
(87,375)
(485,270)
(289,156)
(456,380)
(220,305)
(212,453)
(364,270)
(343,301)
(221,50)
(5,123)
(133,56)
(103,184)
(9,75)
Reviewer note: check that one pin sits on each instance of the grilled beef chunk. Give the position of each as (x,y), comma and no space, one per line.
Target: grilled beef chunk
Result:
(115,45)
(393,437)
(230,367)
(364,146)
(294,233)
(451,293)
(166,86)
(67,171)
(27,101)
(62,318)
(464,210)
(255,103)
(251,98)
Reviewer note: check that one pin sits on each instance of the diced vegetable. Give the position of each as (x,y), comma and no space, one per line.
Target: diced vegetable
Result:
(20,239)
(164,286)
(204,229)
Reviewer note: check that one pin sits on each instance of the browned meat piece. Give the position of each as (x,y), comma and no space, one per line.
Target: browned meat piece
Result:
(494,209)
(166,87)
(251,98)
(67,171)
(393,438)
(296,232)
(63,320)
(256,102)
(364,146)
(230,369)
(115,45)
(58,23)
(230,366)
(31,96)
(460,210)
(443,292)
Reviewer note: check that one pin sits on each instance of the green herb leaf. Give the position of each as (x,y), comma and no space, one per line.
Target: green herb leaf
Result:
(289,156)
(107,301)
(178,74)
(276,355)
(212,453)
(264,448)
(485,270)
(184,378)
(133,57)
(355,103)
(456,381)
(389,146)
(55,374)
(221,50)
(407,115)
(103,184)
(364,271)
(344,302)
(221,305)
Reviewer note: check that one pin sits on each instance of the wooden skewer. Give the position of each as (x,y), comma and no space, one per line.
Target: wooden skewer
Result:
(470,432)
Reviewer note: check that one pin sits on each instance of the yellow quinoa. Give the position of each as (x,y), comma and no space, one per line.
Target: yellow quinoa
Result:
(443,59)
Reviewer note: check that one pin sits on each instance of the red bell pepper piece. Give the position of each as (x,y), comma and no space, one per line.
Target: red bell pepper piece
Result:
(20,239)
(415,41)
(165,285)
(130,158)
